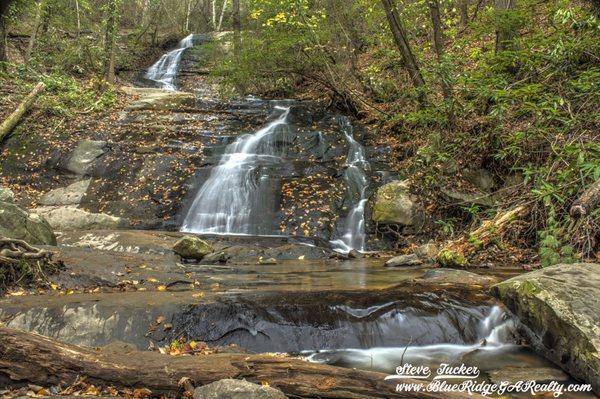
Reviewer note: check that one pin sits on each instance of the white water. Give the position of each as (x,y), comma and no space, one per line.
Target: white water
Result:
(356,178)
(235,190)
(495,338)
(164,71)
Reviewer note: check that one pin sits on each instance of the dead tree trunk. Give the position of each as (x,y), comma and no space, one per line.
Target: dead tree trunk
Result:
(587,202)
(13,119)
(31,358)
(401,39)
(458,252)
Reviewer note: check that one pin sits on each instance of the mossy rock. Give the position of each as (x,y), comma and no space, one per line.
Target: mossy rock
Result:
(20,224)
(393,205)
(190,247)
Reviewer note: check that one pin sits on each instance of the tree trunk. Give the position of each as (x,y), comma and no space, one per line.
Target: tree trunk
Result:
(237,30)
(32,358)
(222,15)
(9,124)
(401,39)
(463,8)
(587,202)
(438,41)
(78,17)
(505,31)
(214,15)
(3,40)
(36,27)
(112,23)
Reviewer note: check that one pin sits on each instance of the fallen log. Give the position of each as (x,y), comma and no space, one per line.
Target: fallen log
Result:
(13,119)
(457,252)
(31,358)
(587,202)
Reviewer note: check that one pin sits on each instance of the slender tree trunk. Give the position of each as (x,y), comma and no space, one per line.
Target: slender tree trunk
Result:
(505,32)
(401,39)
(187,15)
(78,17)
(438,41)
(36,27)
(214,15)
(463,8)
(221,16)
(112,22)
(237,30)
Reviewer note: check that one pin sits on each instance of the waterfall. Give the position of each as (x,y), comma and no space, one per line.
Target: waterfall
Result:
(357,181)
(233,199)
(164,71)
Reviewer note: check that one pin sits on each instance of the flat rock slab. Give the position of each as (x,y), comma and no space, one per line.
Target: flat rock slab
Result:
(71,218)
(70,195)
(558,307)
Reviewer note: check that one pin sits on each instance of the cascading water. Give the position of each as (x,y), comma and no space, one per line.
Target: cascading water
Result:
(357,182)
(495,338)
(233,198)
(164,71)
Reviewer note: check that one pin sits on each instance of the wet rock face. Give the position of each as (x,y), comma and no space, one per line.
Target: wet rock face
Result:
(558,307)
(237,389)
(18,223)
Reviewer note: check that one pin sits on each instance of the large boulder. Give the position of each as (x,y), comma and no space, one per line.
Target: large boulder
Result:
(70,195)
(20,224)
(558,309)
(6,195)
(69,218)
(237,389)
(190,247)
(394,205)
(85,155)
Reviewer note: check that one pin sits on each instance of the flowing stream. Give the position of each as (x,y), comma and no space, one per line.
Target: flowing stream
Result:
(164,71)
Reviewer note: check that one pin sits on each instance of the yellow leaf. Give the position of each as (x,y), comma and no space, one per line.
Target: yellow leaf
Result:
(161,288)
(153,280)
(301,257)
(193,344)
(54,286)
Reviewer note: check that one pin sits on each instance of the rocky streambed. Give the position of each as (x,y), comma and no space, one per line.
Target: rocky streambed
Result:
(111,201)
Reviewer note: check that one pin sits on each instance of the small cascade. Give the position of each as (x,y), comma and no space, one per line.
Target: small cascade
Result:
(494,339)
(164,71)
(233,199)
(357,181)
